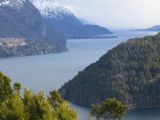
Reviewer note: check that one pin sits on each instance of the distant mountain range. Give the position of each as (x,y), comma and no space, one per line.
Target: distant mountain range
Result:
(129,72)
(155,28)
(65,22)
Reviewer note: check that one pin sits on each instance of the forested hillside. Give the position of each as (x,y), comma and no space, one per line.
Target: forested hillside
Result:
(129,72)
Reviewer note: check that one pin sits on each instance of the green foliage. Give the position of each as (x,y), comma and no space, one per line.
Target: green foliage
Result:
(17,88)
(129,72)
(12,109)
(111,109)
(61,108)
(55,99)
(37,106)
(63,112)
(5,87)
(31,106)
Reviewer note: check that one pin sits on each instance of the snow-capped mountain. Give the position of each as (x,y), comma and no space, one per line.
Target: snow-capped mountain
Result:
(65,22)
(15,4)
(21,19)
(50,8)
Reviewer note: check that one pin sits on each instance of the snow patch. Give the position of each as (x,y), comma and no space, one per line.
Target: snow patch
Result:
(5,3)
(12,3)
(52,9)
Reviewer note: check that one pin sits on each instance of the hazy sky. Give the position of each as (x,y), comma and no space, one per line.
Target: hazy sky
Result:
(117,13)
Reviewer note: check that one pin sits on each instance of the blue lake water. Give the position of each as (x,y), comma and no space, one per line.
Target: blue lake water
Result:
(48,72)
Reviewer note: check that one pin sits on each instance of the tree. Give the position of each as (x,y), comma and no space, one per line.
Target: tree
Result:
(111,109)
(17,88)
(13,109)
(60,107)
(31,106)
(37,106)
(55,99)
(5,87)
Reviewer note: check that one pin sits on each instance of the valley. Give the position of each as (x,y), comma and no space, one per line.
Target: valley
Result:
(79,60)
(48,69)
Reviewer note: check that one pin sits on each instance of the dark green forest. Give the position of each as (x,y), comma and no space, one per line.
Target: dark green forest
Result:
(31,106)
(129,72)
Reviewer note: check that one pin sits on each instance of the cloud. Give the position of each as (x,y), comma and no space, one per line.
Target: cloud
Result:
(117,13)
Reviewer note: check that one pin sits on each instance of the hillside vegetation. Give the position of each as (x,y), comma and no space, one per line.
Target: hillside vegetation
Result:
(129,72)
(31,48)
(31,106)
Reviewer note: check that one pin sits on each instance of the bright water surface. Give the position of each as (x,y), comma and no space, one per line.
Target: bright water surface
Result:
(48,72)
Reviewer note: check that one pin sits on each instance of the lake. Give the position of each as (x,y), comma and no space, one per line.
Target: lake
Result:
(49,72)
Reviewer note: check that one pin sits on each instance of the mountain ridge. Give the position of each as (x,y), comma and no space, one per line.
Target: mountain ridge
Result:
(64,21)
(21,19)
(155,28)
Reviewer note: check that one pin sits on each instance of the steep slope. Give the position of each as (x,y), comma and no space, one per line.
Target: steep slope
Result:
(19,19)
(66,22)
(129,72)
